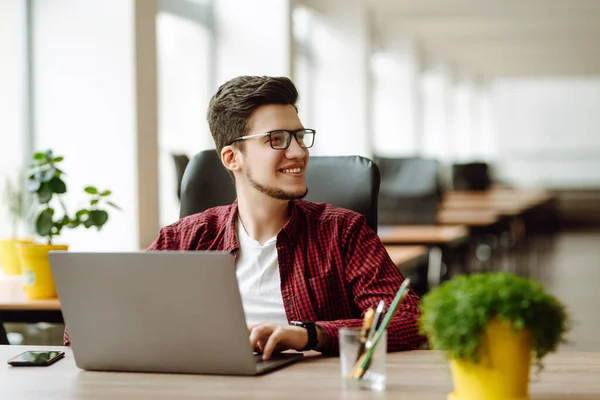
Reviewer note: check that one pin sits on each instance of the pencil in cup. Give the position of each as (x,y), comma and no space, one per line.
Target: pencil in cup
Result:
(364,333)
(365,359)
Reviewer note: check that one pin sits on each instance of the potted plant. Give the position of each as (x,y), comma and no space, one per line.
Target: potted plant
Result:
(45,182)
(491,326)
(14,199)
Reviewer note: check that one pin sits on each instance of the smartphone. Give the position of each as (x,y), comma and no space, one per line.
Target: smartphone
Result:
(36,358)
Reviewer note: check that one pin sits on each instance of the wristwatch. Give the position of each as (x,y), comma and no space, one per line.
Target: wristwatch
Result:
(311,329)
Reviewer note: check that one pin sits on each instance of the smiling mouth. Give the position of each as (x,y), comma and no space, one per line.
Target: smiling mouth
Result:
(291,171)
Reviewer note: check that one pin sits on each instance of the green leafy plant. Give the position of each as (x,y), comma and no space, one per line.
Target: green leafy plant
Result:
(14,199)
(455,314)
(45,182)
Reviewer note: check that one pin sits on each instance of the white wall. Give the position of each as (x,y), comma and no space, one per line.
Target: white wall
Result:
(12,97)
(87,82)
(548,131)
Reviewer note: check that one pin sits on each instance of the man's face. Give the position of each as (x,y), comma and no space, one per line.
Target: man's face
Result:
(276,173)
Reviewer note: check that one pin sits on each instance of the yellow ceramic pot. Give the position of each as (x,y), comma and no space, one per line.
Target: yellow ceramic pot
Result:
(11,265)
(503,370)
(37,275)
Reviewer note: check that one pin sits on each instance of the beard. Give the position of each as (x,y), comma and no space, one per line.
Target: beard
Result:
(275,192)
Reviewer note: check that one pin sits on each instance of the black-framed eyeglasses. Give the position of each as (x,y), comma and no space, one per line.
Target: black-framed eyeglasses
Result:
(281,139)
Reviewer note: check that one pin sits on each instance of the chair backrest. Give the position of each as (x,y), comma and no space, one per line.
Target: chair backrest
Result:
(410,191)
(350,182)
(181,161)
(471,176)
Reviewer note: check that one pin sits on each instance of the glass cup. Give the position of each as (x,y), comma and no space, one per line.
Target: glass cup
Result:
(374,377)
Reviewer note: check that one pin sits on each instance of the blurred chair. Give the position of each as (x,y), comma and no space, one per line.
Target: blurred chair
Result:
(473,176)
(411,191)
(350,182)
(181,161)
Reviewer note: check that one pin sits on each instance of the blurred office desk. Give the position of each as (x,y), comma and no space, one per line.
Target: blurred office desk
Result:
(31,311)
(422,375)
(507,202)
(15,307)
(528,216)
(452,242)
(407,258)
(471,218)
(423,234)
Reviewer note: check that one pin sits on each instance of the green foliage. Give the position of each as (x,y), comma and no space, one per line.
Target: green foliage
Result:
(455,314)
(45,182)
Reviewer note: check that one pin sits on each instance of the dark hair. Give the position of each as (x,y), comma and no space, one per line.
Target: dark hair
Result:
(230,109)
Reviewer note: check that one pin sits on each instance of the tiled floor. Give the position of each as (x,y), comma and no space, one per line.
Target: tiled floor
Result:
(571,271)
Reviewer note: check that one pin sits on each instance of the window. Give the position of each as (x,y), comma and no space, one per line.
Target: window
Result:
(184,90)
(14,134)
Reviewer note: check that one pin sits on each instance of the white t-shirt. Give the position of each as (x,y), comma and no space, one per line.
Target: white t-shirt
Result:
(257,271)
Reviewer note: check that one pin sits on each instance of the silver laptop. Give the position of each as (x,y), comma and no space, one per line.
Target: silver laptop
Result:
(174,312)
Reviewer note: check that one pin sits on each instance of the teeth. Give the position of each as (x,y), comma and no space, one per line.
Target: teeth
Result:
(293,170)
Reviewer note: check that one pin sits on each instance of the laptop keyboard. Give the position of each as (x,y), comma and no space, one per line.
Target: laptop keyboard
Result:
(258,358)
(275,361)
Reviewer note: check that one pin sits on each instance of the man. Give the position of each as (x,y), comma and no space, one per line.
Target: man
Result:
(296,261)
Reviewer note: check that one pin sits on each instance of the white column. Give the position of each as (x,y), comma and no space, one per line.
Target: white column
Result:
(146,128)
(253,38)
(341,47)
(396,99)
(95,101)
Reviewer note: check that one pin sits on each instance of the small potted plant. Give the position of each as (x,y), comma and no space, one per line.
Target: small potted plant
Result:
(14,199)
(491,326)
(45,182)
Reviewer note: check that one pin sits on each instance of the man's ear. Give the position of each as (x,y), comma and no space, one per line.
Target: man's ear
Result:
(230,157)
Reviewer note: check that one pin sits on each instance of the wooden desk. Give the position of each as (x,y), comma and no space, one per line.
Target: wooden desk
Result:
(30,305)
(18,309)
(21,310)
(510,207)
(407,257)
(467,217)
(422,375)
(425,234)
(507,202)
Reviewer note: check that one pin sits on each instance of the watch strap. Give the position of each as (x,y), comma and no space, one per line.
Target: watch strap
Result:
(311,330)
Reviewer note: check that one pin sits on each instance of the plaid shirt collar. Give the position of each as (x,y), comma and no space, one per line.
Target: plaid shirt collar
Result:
(288,232)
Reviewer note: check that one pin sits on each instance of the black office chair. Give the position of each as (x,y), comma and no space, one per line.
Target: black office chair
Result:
(350,182)
(473,176)
(411,191)
(181,161)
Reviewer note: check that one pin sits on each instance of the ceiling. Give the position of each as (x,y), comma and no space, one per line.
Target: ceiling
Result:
(499,37)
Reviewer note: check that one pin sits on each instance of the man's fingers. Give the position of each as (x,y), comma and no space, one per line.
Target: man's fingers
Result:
(255,335)
(272,343)
(259,332)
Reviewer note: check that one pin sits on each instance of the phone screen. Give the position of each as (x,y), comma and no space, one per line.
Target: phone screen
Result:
(33,358)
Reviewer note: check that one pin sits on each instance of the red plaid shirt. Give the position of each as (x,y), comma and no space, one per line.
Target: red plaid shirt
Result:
(333,267)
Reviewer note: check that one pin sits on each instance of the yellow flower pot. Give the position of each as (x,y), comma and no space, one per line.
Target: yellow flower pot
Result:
(37,275)
(11,265)
(503,369)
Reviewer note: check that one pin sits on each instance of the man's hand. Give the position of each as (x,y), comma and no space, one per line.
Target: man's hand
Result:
(268,337)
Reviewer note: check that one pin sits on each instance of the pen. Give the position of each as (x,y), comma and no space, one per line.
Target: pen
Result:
(363,362)
(364,333)
(378,313)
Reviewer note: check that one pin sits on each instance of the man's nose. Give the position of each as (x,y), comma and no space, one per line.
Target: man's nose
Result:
(294,150)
